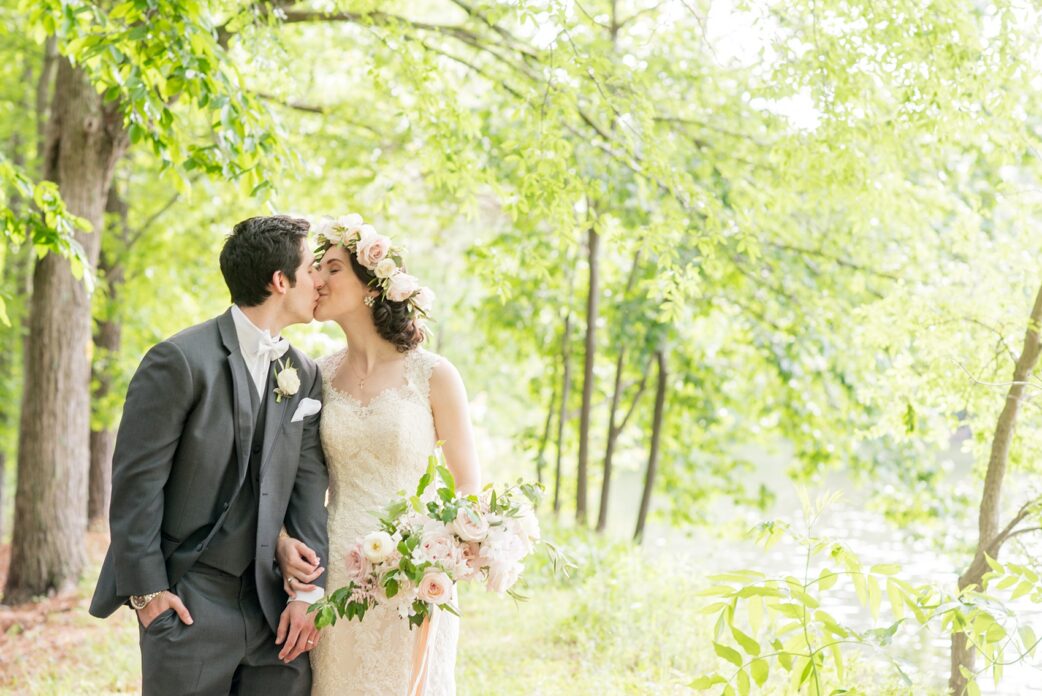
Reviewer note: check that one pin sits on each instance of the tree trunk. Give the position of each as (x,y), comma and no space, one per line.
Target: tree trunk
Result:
(616,396)
(540,460)
(990,538)
(593,242)
(85,138)
(656,436)
(566,383)
(108,335)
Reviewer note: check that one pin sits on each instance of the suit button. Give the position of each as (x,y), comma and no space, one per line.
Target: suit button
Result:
(225,506)
(256,450)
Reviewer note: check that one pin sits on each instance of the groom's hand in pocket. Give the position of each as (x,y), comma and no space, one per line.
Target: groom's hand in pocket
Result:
(297,633)
(166,600)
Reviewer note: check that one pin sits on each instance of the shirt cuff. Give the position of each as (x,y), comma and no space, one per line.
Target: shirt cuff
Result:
(309,597)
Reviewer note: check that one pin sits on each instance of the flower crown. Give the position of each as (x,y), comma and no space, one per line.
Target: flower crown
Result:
(379,255)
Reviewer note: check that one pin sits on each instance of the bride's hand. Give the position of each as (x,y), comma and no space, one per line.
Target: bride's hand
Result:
(299,565)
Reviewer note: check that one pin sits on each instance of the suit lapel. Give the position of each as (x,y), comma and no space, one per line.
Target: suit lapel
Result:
(241,384)
(278,411)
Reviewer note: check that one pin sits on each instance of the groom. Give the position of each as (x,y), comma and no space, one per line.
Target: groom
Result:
(217,450)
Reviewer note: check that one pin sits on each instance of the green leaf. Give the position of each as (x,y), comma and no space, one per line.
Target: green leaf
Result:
(704,683)
(1029,639)
(715,591)
(754,608)
(882,636)
(875,596)
(837,660)
(886,568)
(729,654)
(447,479)
(749,645)
(1022,589)
(826,579)
(897,602)
(760,669)
(743,682)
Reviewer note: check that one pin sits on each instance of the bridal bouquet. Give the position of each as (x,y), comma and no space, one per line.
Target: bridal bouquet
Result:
(428,542)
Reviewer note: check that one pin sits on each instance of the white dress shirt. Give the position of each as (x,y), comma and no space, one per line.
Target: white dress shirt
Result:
(250,340)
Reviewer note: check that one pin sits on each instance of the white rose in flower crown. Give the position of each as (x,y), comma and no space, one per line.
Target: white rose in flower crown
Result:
(372,249)
(386,268)
(350,223)
(377,546)
(502,576)
(470,526)
(435,587)
(424,299)
(401,286)
(365,232)
(324,230)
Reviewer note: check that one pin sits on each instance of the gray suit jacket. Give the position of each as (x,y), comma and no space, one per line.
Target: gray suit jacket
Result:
(182,454)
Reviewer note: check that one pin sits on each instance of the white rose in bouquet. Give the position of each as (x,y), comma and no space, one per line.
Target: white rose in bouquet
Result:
(377,546)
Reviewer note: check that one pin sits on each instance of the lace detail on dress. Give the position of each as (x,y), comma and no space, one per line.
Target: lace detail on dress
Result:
(373,451)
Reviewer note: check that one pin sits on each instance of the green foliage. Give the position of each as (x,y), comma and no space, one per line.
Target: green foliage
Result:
(770,623)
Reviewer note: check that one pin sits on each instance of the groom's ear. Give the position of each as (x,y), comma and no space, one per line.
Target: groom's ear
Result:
(279,283)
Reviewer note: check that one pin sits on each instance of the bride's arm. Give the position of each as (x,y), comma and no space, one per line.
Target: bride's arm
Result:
(452,424)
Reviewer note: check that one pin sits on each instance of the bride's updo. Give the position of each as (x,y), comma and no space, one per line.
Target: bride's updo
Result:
(396,322)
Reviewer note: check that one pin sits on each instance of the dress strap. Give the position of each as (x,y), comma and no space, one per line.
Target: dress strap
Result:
(419,366)
(328,365)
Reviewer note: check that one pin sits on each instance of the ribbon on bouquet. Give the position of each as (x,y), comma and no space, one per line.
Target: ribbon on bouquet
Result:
(422,650)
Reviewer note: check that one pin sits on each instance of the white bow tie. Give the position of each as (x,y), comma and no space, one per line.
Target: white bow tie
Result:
(270,349)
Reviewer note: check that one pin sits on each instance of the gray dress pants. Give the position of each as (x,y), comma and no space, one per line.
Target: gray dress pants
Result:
(229,649)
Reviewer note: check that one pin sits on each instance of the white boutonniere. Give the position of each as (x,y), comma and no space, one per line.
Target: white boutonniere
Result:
(287,381)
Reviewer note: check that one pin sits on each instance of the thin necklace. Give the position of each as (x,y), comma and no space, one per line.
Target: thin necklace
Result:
(361,378)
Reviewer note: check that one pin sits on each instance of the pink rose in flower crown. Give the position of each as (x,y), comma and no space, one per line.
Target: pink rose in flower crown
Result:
(401,286)
(358,566)
(435,587)
(470,526)
(372,249)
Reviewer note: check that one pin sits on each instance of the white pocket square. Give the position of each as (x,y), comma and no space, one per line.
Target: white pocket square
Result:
(307,407)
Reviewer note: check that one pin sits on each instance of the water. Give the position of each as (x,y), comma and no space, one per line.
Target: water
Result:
(923,655)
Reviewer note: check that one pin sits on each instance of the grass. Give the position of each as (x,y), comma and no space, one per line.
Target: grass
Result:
(625,622)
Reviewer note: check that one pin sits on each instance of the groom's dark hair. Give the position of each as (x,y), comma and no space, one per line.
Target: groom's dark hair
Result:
(256,248)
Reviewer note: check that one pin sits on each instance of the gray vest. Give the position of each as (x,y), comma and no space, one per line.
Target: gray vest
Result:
(232,547)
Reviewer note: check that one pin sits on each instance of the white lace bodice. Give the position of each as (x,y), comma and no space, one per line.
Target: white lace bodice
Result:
(373,451)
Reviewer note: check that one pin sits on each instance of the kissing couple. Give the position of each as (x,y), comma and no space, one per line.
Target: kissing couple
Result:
(232,442)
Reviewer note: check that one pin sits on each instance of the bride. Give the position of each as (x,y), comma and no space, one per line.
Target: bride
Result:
(386,402)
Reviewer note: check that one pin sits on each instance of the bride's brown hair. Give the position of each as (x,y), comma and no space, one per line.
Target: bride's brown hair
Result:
(395,321)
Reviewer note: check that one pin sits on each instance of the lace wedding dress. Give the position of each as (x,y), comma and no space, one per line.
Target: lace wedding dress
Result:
(373,451)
